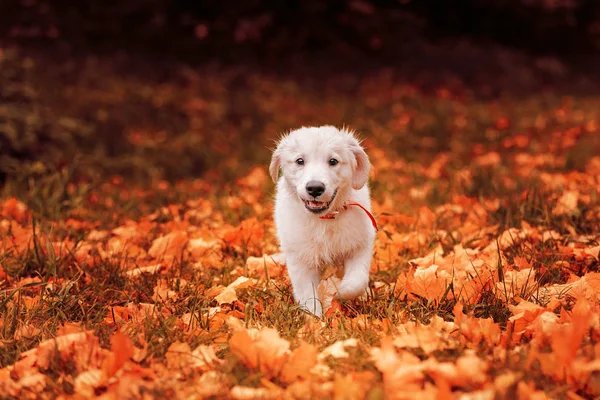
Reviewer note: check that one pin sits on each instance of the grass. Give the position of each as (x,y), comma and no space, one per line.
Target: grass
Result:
(157,144)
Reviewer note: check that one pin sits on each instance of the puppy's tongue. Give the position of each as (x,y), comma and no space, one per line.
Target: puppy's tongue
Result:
(316,204)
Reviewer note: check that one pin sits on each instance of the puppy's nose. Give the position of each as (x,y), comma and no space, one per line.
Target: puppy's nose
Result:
(315,188)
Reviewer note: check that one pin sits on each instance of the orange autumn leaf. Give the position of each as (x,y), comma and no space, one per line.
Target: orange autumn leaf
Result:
(524,314)
(516,283)
(403,372)
(81,347)
(566,339)
(15,209)
(428,282)
(566,203)
(338,349)
(327,290)
(263,349)
(117,314)
(426,217)
(466,271)
(267,265)
(468,371)
(20,239)
(334,308)
(248,234)
(242,346)
(122,350)
(169,247)
(179,355)
(299,363)
(437,335)
(200,247)
(148,269)
(353,385)
(128,233)
(165,290)
(586,287)
(229,294)
(27,331)
(134,313)
(273,351)
(205,358)
(118,247)
(476,330)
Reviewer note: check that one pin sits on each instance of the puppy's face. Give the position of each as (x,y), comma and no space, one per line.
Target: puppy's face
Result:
(321,165)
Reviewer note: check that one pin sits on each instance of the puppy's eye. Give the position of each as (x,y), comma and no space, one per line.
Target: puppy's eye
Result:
(333,162)
(300,161)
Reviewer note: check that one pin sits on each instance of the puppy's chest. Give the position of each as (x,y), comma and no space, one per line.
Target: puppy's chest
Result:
(332,241)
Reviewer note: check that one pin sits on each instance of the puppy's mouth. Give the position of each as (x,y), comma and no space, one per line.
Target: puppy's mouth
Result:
(317,207)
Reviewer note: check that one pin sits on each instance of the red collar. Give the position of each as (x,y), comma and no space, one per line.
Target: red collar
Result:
(345,206)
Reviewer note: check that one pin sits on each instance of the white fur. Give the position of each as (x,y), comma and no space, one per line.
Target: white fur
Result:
(308,242)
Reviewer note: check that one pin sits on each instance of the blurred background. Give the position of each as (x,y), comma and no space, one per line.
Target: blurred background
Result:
(265,31)
(172,89)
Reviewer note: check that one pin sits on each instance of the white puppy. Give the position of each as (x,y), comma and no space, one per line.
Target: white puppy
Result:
(322,211)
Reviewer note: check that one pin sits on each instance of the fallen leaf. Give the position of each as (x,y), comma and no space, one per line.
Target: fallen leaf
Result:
(264,266)
(299,363)
(122,350)
(338,349)
(179,355)
(567,203)
(229,294)
(265,350)
(327,291)
(148,269)
(168,247)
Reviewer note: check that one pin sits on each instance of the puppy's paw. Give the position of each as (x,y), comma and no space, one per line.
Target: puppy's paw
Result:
(350,291)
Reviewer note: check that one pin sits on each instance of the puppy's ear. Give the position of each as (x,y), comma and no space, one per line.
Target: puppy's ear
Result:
(275,163)
(360,172)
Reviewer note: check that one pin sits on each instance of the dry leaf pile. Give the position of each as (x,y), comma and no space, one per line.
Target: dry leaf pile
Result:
(485,285)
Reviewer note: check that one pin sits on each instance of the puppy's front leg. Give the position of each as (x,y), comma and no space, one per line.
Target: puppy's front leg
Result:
(305,281)
(356,275)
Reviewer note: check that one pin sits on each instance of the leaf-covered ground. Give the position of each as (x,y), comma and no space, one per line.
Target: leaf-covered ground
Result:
(165,284)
